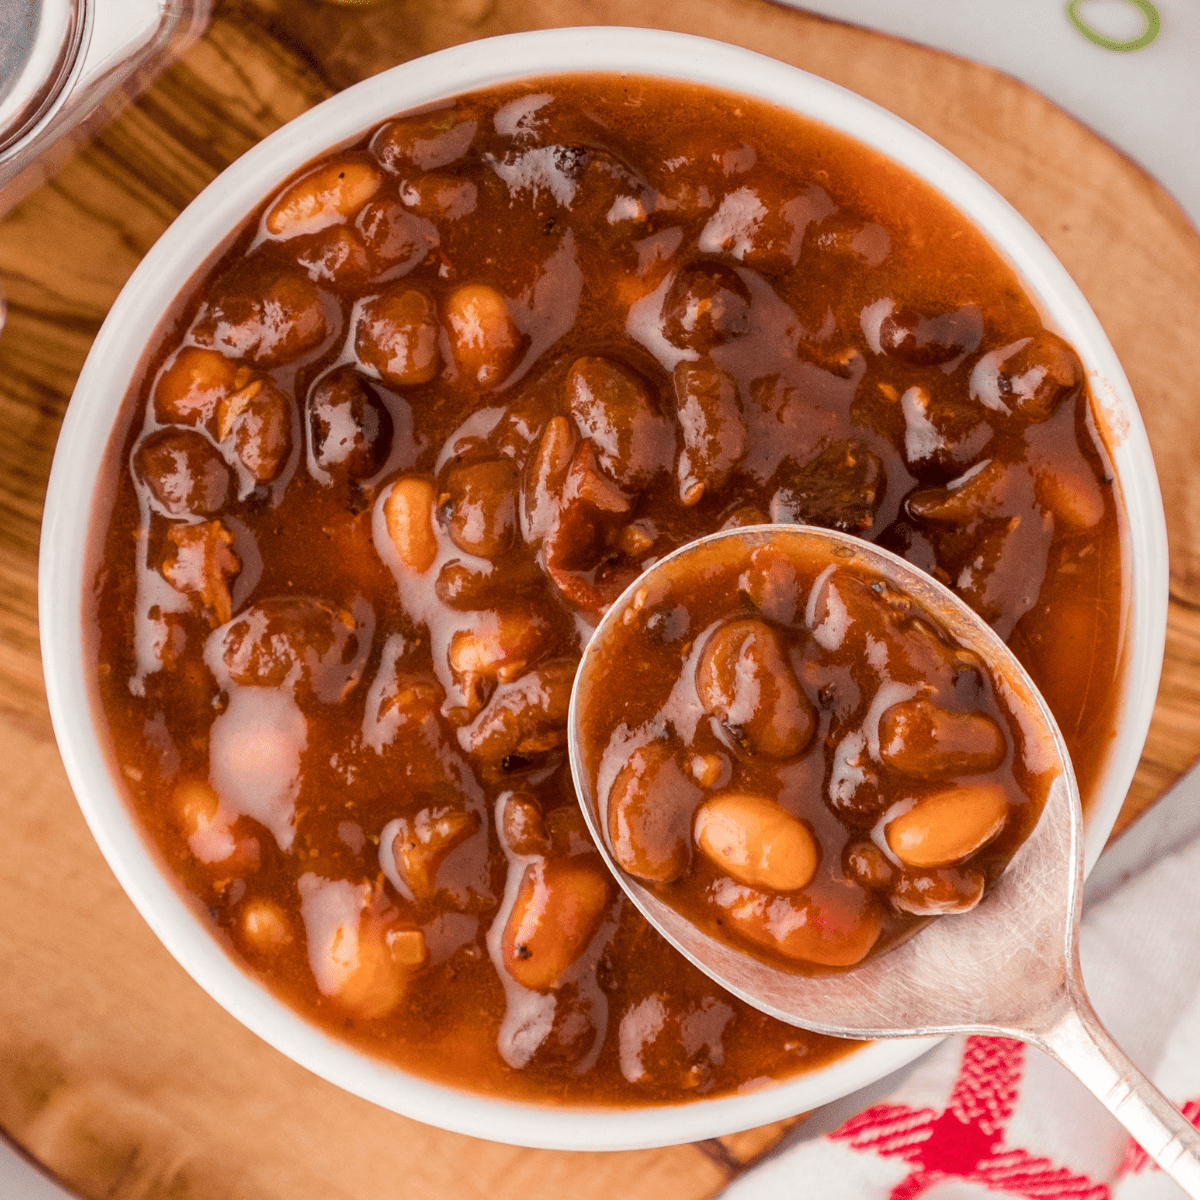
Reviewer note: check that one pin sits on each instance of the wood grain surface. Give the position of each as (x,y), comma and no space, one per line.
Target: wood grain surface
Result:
(115,1069)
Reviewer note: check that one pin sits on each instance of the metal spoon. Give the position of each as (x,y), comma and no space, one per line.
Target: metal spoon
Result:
(1009,967)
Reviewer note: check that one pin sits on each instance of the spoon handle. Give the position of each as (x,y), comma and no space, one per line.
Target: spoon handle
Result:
(1076,1038)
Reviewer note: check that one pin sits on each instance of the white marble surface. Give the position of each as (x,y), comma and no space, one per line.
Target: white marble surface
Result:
(1145,101)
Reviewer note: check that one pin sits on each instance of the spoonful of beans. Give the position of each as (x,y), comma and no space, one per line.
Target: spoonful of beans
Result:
(832,787)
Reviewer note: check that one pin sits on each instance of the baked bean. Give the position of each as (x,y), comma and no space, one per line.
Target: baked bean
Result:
(558,911)
(840,488)
(370,982)
(946,827)
(350,429)
(921,739)
(263,312)
(188,391)
(183,472)
(333,192)
(985,494)
(650,813)
(483,338)
(425,142)
(938,892)
(760,228)
(196,804)
(200,563)
(397,334)
(482,501)
(408,513)
(424,840)
(744,679)
(264,927)
(523,720)
(258,417)
(293,640)
(928,339)
(756,842)
(867,864)
(484,585)
(706,306)
(335,256)
(546,476)
(521,825)
(838,931)
(500,647)
(744,515)
(395,238)
(772,585)
(848,236)
(1039,375)
(711,770)
(1070,491)
(714,431)
(440,198)
(611,406)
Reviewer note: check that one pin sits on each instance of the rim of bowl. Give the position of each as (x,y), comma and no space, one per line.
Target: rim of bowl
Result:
(186,246)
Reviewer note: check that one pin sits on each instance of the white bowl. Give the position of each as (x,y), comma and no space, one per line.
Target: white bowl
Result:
(67,559)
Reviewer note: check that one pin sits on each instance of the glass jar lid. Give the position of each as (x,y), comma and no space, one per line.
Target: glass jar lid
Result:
(40,42)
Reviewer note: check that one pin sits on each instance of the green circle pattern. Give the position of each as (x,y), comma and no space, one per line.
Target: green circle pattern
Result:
(1148,34)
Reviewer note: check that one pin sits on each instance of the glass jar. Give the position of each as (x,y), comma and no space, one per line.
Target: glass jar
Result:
(67,65)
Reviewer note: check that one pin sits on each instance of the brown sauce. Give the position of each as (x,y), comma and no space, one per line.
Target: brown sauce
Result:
(443,397)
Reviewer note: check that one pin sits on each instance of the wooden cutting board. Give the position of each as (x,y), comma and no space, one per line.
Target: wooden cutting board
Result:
(115,1069)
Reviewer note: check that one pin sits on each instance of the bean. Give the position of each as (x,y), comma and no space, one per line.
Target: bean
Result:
(772,585)
(948,826)
(292,640)
(483,585)
(984,495)
(650,810)
(397,334)
(762,225)
(523,720)
(424,840)
(922,739)
(865,863)
(258,417)
(264,926)
(937,892)
(546,476)
(440,198)
(836,930)
(711,770)
(200,563)
(483,507)
(393,236)
(187,392)
(928,339)
(499,647)
(521,825)
(196,804)
(1071,492)
(262,312)
(1039,376)
(559,908)
(336,256)
(350,429)
(425,142)
(746,682)
(333,192)
(714,431)
(706,306)
(846,235)
(408,513)
(483,338)
(183,472)
(376,983)
(611,406)
(756,841)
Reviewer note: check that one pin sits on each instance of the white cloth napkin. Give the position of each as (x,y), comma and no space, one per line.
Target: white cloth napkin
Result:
(985,1116)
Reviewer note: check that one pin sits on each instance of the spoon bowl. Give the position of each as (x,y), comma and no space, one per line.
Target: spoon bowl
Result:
(1008,967)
